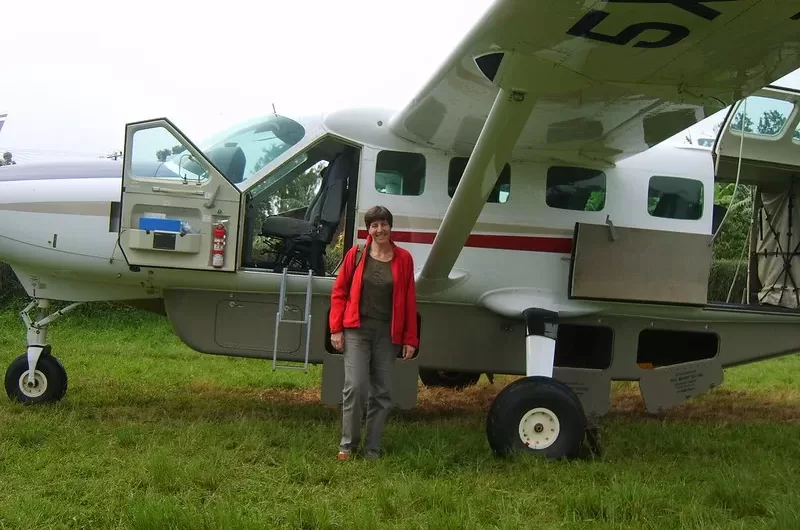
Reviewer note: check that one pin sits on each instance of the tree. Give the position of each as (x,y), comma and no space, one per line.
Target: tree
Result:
(732,238)
(737,123)
(296,192)
(163,154)
(7,159)
(771,122)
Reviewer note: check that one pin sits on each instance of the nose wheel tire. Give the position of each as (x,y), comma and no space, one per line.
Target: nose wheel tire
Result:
(47,385)
(538,416)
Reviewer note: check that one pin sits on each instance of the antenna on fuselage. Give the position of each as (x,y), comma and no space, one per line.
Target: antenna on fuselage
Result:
(275,112)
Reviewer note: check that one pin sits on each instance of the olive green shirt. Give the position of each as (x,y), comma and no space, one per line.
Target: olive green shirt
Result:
(376,289)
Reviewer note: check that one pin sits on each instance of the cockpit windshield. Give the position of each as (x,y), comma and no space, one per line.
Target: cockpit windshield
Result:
(243,150)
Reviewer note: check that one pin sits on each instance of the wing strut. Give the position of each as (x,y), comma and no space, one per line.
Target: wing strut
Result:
(510,111)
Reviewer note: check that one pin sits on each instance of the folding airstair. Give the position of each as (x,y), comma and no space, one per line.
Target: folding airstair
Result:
(281,320)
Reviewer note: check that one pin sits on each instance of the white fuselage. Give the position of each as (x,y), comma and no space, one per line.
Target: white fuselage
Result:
(59,236)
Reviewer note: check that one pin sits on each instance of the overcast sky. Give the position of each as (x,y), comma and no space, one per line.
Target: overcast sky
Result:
(73,73)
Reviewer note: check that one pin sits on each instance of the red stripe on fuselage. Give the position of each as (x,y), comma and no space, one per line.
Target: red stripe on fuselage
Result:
(558,245)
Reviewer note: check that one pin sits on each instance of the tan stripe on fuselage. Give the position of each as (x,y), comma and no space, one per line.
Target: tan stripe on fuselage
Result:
(99,208)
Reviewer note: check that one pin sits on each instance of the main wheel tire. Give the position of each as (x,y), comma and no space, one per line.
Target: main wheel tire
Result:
(539,416)
(50,380)
(448,379)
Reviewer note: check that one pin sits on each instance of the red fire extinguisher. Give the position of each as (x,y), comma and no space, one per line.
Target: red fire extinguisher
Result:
(218,248)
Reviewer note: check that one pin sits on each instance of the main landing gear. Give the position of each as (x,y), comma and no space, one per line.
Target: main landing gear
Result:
(37,376)
(538,414)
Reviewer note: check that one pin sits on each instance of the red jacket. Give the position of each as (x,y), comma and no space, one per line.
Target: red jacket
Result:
(346,295)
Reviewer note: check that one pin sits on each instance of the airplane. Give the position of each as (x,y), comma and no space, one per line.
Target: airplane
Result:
(556,235)
(3,118)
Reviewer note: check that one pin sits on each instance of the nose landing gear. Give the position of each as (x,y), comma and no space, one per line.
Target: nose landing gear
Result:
(37,376)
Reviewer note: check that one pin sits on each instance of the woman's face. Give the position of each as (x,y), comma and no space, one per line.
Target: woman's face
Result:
(380,231)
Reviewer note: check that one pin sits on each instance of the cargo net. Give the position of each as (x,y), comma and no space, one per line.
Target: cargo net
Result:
(778,248)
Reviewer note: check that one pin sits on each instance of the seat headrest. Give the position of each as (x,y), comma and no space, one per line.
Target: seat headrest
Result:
(230,160)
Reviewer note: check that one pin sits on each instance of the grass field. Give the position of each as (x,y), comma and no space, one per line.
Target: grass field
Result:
(153,435)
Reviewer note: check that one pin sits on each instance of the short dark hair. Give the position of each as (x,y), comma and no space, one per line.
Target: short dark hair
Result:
(378,213)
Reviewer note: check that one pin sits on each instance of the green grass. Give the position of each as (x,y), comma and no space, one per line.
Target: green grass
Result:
(153,435)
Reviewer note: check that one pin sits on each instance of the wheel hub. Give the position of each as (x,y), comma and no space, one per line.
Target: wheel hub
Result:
(33,386)
(539,428)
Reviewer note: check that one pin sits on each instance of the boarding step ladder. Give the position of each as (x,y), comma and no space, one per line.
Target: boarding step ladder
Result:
(281,320)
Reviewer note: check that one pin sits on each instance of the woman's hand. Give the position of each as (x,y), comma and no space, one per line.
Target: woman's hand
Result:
(337,341)
(408,352)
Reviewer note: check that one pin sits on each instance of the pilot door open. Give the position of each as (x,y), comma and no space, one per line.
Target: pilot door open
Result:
(178,210)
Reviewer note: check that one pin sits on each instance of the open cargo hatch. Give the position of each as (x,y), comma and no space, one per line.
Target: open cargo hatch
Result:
(628,264)
(769,149)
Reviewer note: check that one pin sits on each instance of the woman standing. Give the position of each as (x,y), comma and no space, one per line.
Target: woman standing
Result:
(373,313)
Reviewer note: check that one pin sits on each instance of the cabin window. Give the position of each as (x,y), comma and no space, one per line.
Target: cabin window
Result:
(157,153)
(765,116)
(400,173)
(675,198)
(502,188)
(576,188)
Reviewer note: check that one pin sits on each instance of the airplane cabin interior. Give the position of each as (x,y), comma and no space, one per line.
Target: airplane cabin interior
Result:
(296,218)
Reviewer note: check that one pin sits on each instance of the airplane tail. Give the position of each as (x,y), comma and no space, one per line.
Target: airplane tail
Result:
(3,116)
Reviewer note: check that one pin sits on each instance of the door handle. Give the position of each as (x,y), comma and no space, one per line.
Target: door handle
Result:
(169,191)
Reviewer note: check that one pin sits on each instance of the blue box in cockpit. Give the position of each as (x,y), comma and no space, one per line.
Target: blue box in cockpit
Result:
(161,225)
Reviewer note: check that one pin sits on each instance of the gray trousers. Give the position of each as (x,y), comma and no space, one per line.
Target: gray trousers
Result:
(368,358)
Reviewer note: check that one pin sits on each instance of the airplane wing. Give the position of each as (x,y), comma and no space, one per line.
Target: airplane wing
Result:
(600,80)
(611,77)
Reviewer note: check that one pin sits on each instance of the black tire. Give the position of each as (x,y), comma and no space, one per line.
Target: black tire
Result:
(561,414)
(49,372)
(448,379)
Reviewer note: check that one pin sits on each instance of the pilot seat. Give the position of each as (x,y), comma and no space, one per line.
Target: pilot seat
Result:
(304,241)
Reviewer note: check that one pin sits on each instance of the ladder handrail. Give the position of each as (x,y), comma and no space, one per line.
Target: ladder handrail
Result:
(306,321)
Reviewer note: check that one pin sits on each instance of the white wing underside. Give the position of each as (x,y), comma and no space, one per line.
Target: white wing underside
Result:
(607,78)
(611,78)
